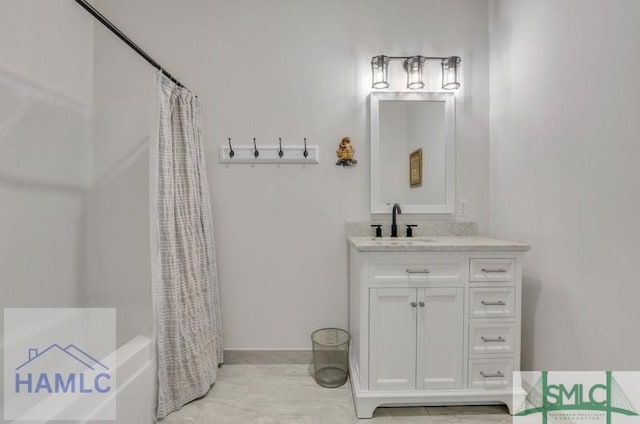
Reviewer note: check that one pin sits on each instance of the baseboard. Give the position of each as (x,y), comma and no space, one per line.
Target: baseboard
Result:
(239,356)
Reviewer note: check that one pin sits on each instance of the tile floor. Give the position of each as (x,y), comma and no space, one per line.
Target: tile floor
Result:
(287,394)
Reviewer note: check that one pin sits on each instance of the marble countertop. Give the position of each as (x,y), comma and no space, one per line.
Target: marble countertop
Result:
(434,244)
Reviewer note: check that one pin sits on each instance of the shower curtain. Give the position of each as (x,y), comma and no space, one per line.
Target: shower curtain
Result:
(187,305)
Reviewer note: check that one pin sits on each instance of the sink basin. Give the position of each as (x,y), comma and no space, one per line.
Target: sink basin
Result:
(402,241)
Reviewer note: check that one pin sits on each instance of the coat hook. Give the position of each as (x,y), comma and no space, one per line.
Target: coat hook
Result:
(231,152)
(255,149)
(280,152)
(305,153)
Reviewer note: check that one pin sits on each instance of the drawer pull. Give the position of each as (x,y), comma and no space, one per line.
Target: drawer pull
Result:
(498,374)
(498,303)
(418,271)
(494,270)
(498,339)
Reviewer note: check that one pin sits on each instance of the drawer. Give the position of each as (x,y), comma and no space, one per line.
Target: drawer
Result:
(491,338)
(416,268)
(490,373)
(492,302)
(492,269)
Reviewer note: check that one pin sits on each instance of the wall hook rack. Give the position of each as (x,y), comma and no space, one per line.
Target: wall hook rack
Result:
(305,154)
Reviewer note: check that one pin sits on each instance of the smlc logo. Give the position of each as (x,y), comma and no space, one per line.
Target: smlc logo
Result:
(75,372)
(599,396)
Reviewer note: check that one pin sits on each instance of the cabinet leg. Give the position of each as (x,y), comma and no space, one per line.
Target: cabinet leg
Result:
(365,408)
(509,404)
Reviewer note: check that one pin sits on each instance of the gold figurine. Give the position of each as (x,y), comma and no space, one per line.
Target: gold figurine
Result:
(345,153)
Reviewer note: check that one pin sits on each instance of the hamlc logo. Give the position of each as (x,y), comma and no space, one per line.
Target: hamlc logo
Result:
(88,376)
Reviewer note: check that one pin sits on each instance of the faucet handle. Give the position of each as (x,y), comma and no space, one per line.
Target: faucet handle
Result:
(378,229)
(410,229)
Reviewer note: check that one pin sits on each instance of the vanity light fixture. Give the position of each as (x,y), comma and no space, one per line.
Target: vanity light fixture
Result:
(451,73)
(414,66)
(379,70)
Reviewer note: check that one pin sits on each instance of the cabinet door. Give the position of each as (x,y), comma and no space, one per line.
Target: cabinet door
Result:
(392,338)
(440,338)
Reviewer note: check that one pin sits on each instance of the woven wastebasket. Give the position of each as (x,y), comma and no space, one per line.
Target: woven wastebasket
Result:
(330,356)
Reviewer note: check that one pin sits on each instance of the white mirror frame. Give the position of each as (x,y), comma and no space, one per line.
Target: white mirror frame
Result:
(377,206)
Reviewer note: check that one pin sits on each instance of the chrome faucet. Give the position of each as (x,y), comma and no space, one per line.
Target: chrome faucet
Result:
(394,226)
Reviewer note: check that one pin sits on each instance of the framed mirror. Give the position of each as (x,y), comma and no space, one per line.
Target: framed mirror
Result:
(413,152)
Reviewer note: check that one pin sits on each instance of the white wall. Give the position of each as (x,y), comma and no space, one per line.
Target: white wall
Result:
(117,236)
(565,98)
(74,227)
(294,69)
(46,69)
(118,251)
(49,44)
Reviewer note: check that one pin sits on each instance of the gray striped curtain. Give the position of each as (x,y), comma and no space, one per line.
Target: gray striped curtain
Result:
(187,303)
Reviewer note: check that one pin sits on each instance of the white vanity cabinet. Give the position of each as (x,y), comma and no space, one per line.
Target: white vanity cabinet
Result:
(437,324)
(415,338)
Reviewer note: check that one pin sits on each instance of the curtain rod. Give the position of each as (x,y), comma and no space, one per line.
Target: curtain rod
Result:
(110,26)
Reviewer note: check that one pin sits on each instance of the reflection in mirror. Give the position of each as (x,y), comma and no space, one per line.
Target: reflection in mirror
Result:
(406,127)
(412,152)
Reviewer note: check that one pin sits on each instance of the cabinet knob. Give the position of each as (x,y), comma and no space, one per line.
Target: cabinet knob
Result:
(421,304)
(414,304)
